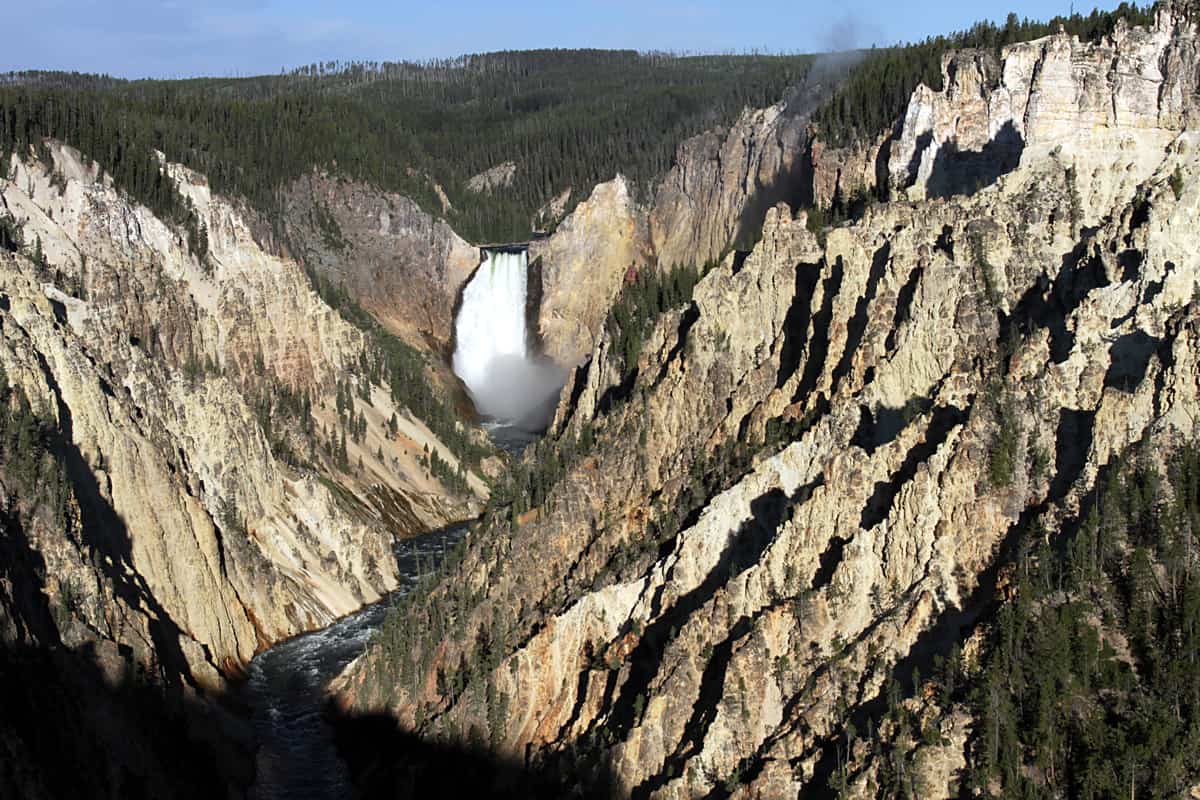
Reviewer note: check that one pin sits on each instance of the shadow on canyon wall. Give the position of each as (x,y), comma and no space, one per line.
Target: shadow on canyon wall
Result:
(82,716)
(967,171)
(388,763)
(67,732)
(86,720)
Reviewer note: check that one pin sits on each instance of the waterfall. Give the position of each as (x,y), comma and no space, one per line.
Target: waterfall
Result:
(492,353)
(491,321)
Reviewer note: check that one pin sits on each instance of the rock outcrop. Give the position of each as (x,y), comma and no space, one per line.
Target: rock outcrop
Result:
(498,177)
(582,268)
(103,694)
(552,213)
(713,200)
(401,264)
(793,502)
(722,183)
(1135,85)
(838,174)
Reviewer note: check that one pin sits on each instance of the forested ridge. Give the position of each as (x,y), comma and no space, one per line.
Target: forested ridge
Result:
(877,91)
(568,118)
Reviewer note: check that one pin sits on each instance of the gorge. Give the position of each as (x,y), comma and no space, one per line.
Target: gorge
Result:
(827,457)
(297,756)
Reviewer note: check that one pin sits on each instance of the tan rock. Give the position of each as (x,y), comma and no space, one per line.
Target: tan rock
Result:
(498,177)
(1057,92)
(722,182)
(582,266)
(398,262)
(152,372)
(742,613)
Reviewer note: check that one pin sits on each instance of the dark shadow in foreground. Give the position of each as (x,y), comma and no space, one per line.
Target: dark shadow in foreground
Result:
(387,762)
(82,715)
(67,731)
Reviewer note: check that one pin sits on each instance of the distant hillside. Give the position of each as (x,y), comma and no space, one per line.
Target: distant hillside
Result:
(567,118)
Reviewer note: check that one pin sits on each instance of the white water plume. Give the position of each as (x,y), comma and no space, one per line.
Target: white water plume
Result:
(492,352)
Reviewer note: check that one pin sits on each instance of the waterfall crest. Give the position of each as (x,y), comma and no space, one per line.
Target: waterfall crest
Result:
(492,352)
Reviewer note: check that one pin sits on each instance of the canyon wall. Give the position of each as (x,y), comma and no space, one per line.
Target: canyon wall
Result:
(401,264)
(793,502)
(188,512)
(712,200)
(1136,87)
(707,201)
(583,265)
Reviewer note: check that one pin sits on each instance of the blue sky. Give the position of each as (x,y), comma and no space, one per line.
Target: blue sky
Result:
(173,38)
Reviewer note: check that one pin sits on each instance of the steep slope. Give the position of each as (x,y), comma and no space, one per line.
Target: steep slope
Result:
(401,264)
(582,266)
(722,182)
(806,487)
(112,641)
(192,497)
(713,198)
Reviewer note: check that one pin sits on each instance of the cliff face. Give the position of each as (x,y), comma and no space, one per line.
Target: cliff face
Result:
(722,183)
(583,266)
(1135,85)
(838,173)
(396,261)
(796,500)
(104,695)
(157,373)
(712,200)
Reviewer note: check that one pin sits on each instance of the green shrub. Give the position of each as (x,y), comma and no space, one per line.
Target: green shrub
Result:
(1176,181)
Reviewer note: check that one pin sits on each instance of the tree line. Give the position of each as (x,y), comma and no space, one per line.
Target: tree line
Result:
(876,92)
(568,118)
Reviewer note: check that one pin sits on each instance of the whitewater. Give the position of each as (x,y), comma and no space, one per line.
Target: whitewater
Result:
(510,386)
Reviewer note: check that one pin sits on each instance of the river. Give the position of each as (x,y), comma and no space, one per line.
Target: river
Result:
(297,759)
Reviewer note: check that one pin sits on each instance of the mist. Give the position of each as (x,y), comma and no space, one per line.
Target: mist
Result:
(508,384)
(519,391)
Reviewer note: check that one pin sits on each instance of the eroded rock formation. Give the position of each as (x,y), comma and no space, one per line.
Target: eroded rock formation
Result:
(582,267)
(401,264)
(722,183)
(1135,84)
(790,503)
(498,177)
(200,530)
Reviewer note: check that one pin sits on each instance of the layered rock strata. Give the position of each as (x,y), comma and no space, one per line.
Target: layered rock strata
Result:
(154,367)
(788,504)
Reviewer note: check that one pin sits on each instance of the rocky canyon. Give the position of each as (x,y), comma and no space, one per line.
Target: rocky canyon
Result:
(874,473)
